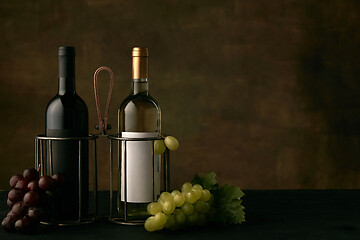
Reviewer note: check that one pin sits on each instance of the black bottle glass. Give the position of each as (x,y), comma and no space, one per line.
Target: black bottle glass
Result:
(67,116)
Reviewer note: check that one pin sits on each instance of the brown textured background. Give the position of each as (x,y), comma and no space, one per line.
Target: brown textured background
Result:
(266,93)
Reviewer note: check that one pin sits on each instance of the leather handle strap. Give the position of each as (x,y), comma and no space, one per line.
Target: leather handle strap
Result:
(103,122)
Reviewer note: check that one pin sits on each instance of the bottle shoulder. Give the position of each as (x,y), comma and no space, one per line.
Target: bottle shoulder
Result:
(67,102)
(140,100)
(139,113)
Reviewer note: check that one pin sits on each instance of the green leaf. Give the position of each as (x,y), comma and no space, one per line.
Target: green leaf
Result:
(231,192)
(227,199)
(208,182)
(197,180)
(229,203)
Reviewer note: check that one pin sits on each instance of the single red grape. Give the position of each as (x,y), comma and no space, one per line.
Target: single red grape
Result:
(33,186)
(19,209)
(46,182)
(31,174)
(59,179)
(22,224)
(10,203)
(31,198)
(34,214)
(10,214)
(14,179)
(15,195)
(22,184)
(9,223)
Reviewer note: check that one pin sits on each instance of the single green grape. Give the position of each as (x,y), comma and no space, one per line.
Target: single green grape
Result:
(150,224)
(171,223)
(205,195)
(175,192)
(206,207)
(179,199)
(197,186)
(180,217)
(197,192)
(154,208)
(171,142)
(187,208)
(160,221)
(199,206)
(165,196)
(159,147)
(186,187)
(191,197)
(161,202)
(168,206)
(192,219)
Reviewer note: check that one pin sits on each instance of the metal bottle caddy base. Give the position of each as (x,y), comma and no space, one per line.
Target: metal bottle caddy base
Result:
(121,215)
(43,147)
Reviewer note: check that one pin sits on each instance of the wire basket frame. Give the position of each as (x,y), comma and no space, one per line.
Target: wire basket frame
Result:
(41,158)
(124,219)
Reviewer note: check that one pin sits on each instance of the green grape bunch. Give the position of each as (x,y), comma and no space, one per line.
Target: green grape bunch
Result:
(177,209)
(197,203)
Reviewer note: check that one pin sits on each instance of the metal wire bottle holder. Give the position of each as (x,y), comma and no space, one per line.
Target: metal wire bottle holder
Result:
(124,218)
(103,126)
(44,158)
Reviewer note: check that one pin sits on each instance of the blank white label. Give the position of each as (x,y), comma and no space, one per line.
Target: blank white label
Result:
(139,168)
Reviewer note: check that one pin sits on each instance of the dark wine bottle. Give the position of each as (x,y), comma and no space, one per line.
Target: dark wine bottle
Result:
(67,116)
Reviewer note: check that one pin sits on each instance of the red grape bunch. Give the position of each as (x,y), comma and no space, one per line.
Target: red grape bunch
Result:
(29,200)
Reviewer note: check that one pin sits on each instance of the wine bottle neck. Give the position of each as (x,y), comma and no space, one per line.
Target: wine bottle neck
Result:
(66,74)
(140,86)
(140,70)
(140,63)
(66,86)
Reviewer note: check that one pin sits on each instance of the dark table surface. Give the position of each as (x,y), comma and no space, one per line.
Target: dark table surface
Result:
(270,214)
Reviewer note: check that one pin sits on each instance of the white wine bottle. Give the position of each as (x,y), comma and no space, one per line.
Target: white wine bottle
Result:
(139,116)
